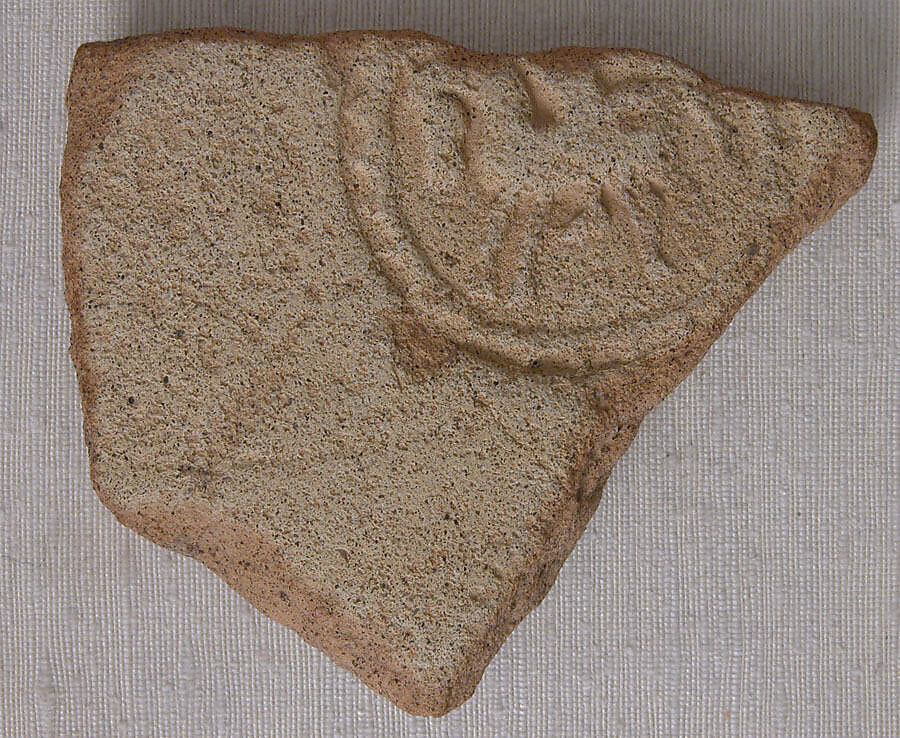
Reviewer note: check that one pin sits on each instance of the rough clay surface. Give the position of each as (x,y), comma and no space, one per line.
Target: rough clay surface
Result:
(362,321)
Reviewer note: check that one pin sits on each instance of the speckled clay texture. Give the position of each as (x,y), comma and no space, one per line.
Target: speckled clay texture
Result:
(363,321)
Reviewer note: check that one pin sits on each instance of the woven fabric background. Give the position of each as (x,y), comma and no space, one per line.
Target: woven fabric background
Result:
(742,574)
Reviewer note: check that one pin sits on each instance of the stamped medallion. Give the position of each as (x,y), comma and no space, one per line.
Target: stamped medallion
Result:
(547,220)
